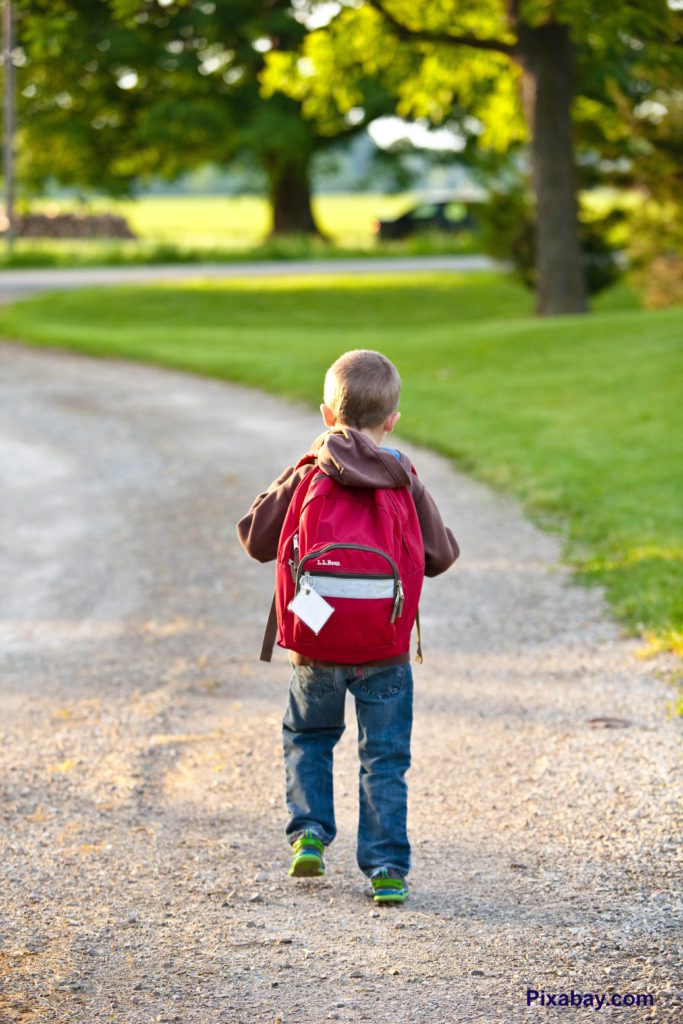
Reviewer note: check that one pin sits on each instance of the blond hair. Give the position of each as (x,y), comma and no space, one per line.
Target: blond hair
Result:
(362,388)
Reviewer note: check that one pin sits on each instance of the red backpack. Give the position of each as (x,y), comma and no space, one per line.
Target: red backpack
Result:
(360,550)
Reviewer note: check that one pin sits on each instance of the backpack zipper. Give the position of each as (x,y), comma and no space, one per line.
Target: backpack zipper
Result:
(350,575)
(398,589)
(294,560)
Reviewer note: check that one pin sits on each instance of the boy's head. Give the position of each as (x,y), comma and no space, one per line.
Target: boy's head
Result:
(362,390)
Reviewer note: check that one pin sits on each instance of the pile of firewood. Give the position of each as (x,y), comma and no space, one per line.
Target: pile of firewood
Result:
(72,225)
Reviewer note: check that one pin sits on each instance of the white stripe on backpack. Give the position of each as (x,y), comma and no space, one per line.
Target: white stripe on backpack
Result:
(350,586)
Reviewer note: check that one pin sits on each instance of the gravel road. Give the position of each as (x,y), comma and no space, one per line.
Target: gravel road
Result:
(143,867)
(15,284)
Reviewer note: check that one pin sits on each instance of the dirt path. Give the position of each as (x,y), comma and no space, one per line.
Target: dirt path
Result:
(142,859)
(15,284)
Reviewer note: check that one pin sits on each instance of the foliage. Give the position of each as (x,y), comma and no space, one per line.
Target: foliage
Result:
(462,63)
(339,66)
(113,92)
(579,418)
(116,91)
(507,233)
(627,57)
(656,252)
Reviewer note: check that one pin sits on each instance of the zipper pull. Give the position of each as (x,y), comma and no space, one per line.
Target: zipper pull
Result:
(306,583)
(294,560)
(398,602)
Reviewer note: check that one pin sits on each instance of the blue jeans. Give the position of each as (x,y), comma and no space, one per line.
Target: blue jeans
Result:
(314,723)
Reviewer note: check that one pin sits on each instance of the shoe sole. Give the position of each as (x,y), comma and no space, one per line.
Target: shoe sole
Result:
(390,898)
(307,867)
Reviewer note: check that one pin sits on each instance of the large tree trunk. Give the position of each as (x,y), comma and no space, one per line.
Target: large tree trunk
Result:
(290,195)
(547,58)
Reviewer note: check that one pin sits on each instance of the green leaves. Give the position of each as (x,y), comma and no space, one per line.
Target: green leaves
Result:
(338,66)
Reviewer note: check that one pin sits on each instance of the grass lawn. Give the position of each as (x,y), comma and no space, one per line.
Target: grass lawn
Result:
(580,417)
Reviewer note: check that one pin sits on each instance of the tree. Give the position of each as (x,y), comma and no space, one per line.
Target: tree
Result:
(573,62)
(115,92)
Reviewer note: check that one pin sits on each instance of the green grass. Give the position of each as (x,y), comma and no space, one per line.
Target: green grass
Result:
(577,416)
(102,252)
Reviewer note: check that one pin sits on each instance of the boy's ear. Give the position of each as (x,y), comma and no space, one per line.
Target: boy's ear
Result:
(391,421)
(329,418)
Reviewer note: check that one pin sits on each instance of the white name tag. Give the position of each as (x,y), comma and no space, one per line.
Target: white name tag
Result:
(311,608)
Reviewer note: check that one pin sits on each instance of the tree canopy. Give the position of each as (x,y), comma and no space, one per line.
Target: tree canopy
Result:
(114,92)
(580,80)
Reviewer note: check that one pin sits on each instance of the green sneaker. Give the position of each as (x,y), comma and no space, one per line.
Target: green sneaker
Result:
(387,888)
(307,861)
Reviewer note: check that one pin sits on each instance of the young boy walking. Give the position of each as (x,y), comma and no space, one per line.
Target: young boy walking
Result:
(354,532)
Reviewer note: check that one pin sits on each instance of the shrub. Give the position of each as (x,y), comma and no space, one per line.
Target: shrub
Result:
(655,252)
(507,231)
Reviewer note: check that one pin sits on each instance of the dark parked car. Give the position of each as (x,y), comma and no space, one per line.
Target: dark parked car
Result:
(448,216)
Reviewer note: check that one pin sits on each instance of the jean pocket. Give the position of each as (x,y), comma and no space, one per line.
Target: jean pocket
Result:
(314,682)
(381,683)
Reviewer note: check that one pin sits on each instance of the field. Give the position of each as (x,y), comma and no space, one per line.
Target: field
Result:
(218,228)
(577,416)
(244,220)
(191,228)
(173,229)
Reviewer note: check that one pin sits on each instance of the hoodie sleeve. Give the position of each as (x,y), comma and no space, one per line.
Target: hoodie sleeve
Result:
(259,530)
(441,547)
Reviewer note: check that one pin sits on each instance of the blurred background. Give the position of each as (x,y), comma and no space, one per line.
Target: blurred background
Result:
(545,135)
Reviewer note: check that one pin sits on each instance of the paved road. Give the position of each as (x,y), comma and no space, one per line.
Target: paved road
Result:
(142,856)
(16,283)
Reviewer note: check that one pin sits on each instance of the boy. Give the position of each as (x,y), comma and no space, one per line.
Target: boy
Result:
(361,395)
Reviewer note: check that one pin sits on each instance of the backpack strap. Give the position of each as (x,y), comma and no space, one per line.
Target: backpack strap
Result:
(269,634)
(418,656)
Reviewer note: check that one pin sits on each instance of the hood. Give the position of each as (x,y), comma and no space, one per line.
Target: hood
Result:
(354,460)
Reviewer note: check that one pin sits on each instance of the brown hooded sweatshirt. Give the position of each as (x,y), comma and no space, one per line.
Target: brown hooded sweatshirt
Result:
(353,460)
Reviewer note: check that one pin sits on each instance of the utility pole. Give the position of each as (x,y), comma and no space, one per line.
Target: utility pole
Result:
(9,118)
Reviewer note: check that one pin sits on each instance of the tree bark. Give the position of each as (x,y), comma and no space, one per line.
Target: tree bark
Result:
(546,56)
(290,195)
